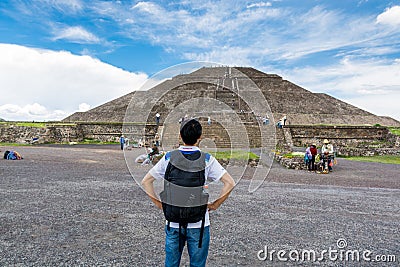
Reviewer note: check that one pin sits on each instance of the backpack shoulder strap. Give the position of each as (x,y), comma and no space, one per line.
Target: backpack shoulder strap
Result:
(207,157)
(168,155)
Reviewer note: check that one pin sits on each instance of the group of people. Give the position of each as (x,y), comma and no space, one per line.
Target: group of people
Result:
(312,158)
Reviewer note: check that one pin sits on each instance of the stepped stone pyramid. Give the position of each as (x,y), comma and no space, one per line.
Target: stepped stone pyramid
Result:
(283,97)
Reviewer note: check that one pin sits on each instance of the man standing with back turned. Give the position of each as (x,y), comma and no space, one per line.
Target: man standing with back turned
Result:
(185,172)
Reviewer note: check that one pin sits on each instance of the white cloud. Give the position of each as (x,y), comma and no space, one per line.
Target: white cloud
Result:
(75,34)
(234,56)
(260,4)
(201,30)
(148,7)
(65,5)
(83,107)
(368,84)
(57,81)
(383,105)
(203,25)
(391,16)
(29,112)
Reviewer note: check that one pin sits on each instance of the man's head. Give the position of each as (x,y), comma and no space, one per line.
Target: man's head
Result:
(190,131)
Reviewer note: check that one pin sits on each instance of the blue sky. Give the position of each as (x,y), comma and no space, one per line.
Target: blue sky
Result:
(60,56)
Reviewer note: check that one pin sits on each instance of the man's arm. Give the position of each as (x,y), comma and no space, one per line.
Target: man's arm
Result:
(148,186)
(229,184)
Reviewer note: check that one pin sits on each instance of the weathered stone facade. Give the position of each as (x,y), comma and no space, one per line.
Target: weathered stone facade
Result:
(347,140)
(301,106)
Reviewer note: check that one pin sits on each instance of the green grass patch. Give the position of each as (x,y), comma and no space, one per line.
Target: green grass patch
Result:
(60,124)
(236,154)
(294,155)
(389,159)
(35,124)
(395,130)
(13,144)
(32,124)
(24,123)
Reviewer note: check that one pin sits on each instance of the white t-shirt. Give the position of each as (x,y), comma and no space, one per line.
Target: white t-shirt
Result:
(213,171)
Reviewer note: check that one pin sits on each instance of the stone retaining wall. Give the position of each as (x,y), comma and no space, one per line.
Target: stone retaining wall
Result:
(355,136)
(59,133)
(347,140)
(296,163)
(20,134)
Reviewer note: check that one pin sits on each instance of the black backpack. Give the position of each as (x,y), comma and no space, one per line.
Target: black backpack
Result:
(184,199)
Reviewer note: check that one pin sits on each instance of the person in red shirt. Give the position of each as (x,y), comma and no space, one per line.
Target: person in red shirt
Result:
(314,152)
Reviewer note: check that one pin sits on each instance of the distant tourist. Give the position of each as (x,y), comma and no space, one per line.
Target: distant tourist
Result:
(327,151)
(184,118)
(209,120)
(265,120)
(311,153)
(314,152)
(158,118)
(141,142)
(157,140)
(122,142)
(282,122)
(126,145)
(308,158)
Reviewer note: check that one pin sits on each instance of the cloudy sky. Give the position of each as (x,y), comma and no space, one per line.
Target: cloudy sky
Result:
(61,56)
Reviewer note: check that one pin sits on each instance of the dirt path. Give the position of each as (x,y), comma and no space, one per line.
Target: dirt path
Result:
(79,205)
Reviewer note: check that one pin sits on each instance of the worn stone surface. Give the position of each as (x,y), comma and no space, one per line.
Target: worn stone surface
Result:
(79,206)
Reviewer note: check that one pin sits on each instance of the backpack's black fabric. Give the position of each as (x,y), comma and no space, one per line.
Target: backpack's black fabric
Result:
(184,200)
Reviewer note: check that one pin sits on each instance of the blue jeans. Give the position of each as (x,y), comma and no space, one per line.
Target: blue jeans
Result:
(198,256)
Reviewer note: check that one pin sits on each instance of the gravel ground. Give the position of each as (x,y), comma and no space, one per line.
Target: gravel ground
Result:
(79,206)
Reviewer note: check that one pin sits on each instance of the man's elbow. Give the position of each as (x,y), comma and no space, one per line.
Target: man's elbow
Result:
(146,180)
(229,182)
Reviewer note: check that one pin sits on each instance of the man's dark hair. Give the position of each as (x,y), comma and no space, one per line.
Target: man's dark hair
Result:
(190,131)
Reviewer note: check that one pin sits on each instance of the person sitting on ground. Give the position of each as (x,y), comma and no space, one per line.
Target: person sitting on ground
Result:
(12,155)
(154,150)
(151,153)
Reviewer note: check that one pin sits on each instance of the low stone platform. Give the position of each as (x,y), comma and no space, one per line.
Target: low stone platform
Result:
(79,206)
